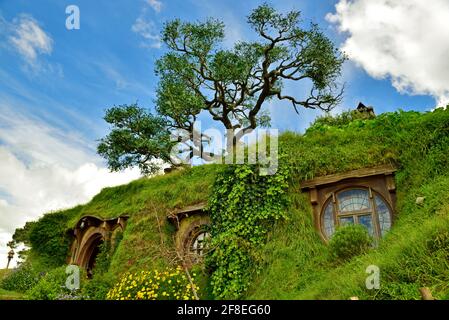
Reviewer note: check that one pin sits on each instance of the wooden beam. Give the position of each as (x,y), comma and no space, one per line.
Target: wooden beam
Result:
(360,173)
(313,196)
(426,294)
(196,207)
(176,216)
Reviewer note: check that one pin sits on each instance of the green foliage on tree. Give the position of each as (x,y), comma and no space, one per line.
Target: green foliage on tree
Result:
(137,138)
(200,75)
(22,235)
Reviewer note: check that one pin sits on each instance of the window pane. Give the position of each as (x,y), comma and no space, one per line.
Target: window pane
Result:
(384,215)
(328,220)
(346,220)
(199,244)
(353,200)
(367,222)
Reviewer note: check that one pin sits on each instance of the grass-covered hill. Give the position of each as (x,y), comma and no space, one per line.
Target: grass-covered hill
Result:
(263,240)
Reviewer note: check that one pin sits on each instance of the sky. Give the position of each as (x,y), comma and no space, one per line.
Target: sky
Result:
(55,82)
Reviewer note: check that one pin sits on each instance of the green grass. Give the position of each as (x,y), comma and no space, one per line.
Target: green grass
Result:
(5,294)
(4,273)
(414,254)
(10,295)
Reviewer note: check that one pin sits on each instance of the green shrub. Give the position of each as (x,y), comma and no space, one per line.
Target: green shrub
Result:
(20,279)
(49,239)
(52,286)
(349,241)
(98,287)
(103,259)
(342,119)
(170,284)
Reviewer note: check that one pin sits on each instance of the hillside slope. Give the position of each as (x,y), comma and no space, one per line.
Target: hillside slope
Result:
(294,262)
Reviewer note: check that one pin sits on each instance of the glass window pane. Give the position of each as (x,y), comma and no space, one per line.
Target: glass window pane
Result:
(384,215)
(328,220)
(346,220)
(199,243)
(367,222)
(353,200)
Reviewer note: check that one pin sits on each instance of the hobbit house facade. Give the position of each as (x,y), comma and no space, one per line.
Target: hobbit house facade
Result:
(365,196)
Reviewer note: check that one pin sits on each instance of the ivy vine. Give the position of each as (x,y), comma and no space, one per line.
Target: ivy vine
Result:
(244,206)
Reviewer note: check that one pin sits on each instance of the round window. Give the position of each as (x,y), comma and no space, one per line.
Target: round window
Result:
(199,243)
(356,206)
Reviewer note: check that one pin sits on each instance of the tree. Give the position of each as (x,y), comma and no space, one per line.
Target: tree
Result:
(22,235)
(198,75)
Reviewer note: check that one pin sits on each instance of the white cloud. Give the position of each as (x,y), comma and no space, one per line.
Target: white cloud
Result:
(29,39)
(147,29)
(155,4)
(44,169)
(404,40)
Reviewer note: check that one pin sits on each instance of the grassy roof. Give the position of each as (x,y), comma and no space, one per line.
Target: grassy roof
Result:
(296,262)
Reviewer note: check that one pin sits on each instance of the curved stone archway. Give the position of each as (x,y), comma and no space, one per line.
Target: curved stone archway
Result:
(89,233)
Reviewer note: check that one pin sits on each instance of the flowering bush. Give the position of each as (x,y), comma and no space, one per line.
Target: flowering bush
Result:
(170,284)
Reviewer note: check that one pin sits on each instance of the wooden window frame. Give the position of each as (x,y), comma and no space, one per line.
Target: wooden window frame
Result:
(337,214)
(379,180)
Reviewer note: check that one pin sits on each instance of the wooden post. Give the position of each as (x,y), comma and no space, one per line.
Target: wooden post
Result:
(10,256)
(426,294)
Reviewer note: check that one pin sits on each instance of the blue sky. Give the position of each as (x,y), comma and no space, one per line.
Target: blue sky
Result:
(56,83)
(106,63)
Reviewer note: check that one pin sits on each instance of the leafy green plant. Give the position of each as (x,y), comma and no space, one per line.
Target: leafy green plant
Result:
(21,279)
(243,206)
(103,259)
(52,286)
(340,120)
(349,241)
(98,287)
(48,237)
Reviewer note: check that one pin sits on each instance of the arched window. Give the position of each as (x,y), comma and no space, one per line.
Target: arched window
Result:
(356,206)
(199,243)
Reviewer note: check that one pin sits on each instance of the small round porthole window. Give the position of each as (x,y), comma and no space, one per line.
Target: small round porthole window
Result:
(199,243)
(356,206)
